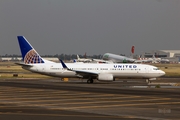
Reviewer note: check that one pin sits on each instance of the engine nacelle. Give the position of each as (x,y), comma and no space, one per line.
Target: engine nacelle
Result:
(105,77)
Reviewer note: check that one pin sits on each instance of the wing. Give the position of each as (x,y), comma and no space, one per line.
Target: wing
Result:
(85,73)
(80,72)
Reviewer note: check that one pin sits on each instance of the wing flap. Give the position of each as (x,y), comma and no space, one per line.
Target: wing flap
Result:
(85,73)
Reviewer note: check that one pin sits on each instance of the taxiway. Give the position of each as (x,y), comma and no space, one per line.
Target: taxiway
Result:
(54,99)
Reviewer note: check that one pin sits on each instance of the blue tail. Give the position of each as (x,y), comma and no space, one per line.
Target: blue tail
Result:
(74,60)
(29,54)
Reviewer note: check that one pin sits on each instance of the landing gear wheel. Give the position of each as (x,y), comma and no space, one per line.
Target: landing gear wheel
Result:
(90,81)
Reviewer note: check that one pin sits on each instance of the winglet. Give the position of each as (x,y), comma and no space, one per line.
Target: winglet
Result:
(63,64)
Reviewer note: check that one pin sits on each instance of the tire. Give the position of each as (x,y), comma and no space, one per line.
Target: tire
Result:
(88,81)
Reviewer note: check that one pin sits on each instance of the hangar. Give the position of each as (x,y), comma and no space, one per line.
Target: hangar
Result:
(172,55)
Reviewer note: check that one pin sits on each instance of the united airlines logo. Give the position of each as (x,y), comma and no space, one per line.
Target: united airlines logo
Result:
(32,57)
(125,66)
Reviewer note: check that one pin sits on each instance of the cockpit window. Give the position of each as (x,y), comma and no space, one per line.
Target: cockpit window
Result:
(155,68)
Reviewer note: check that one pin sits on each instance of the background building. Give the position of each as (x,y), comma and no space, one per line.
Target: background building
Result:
(172,55)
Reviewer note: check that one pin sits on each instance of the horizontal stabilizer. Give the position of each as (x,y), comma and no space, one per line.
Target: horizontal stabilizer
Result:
(23,64)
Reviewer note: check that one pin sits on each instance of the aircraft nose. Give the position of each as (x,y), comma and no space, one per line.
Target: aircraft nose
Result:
(162,73)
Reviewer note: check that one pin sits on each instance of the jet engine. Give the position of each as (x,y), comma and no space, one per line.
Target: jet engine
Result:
(105,77)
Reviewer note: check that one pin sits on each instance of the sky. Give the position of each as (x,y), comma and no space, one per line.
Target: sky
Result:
(91,26)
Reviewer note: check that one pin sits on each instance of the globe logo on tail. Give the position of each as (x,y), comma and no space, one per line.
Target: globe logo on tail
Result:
(32,58)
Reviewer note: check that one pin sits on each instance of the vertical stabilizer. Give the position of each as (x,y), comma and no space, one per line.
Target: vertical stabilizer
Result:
(132,49)
(78,57)
(29,54)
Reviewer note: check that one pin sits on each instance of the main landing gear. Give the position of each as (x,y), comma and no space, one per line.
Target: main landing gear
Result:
(148,81)
(90,80)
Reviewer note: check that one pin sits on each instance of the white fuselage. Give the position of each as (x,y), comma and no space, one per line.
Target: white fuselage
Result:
(117,58)
(116,70)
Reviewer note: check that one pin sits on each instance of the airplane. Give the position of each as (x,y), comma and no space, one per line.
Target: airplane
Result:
(101,61)
(33,62)
(149,60)
(108,58)
(152,60)
(89,60)
(159,60)
(117,58)
(140,60)
(83,59)
(163,60)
